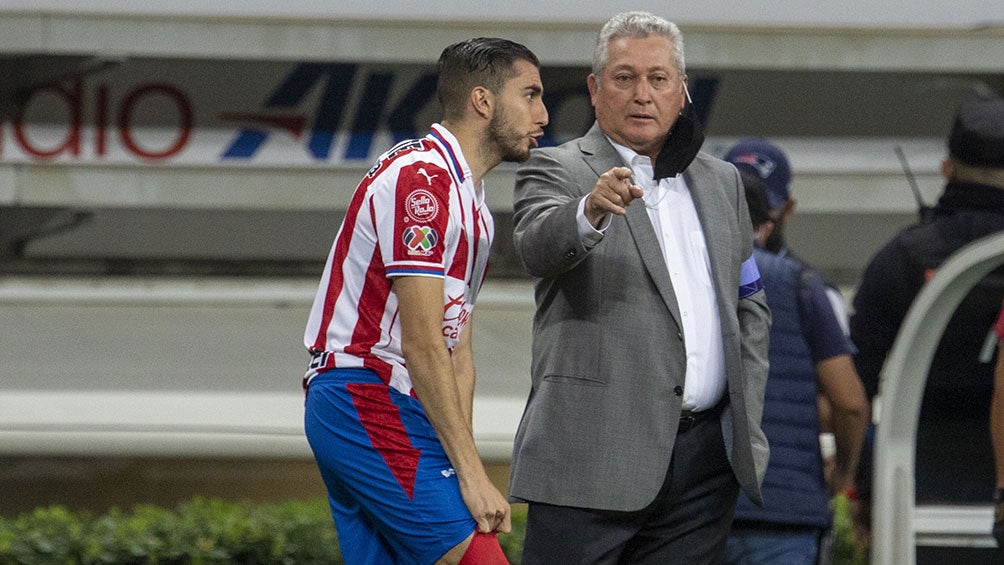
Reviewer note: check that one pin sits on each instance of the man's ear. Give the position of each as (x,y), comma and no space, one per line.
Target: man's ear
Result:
(483,101)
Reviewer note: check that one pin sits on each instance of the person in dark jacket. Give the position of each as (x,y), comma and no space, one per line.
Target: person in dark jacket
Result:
(809,352)
(954,458)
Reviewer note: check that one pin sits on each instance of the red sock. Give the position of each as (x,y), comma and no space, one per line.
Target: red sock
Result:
(484,550)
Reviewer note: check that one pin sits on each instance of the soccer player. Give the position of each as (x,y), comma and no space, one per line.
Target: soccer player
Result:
(390,384)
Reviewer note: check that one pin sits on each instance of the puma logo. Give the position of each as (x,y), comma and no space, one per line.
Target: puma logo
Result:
(426,174)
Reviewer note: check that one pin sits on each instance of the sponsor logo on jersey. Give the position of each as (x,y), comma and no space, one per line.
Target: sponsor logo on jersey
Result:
(420,240)
(428,177)
(455,316)
(421,206)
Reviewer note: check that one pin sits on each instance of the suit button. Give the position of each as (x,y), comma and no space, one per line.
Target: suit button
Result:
(678,390)
(571,253)
(679,336)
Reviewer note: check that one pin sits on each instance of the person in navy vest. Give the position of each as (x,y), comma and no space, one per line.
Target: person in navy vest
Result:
(809,355)
(769,162)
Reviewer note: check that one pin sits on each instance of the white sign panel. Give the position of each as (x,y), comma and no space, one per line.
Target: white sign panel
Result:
(235,113)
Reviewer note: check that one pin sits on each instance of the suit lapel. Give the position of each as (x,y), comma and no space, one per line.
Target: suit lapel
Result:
(651,255)
(710,211)
(601,157)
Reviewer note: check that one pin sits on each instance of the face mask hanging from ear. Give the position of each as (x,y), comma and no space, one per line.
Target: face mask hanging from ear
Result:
(682,144)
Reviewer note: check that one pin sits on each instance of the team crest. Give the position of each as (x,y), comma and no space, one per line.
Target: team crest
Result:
(421,206)
(420,240)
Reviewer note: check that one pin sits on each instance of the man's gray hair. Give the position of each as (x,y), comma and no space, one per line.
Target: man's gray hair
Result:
(638,25)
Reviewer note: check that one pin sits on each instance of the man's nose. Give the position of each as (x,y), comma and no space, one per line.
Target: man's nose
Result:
(643,90)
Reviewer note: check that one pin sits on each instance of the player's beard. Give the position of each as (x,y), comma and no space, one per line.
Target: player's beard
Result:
(509,144)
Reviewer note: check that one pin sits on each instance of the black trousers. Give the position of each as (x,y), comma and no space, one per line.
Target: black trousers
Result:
(688,522)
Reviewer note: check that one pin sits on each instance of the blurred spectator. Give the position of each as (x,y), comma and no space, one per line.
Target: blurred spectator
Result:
(767,161)
(760,157)
(954,461)
(808,352)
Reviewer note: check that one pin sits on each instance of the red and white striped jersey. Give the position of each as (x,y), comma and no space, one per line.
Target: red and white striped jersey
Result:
(415,213)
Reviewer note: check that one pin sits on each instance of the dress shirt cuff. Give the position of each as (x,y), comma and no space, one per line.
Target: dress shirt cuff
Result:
(588,235)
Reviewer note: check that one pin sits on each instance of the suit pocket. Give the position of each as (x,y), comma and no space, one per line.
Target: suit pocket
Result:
(580,381)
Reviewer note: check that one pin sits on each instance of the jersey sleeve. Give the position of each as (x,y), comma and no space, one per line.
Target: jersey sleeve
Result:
(412,218)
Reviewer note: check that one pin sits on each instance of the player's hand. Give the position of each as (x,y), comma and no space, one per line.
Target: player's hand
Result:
(611,194)
(487,505)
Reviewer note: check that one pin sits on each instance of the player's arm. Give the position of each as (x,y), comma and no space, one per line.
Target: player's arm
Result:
(432,374)
(839,383)
(463,370)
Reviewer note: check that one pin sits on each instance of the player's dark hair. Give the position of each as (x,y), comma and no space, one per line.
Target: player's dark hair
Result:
(756,198)
(483,61)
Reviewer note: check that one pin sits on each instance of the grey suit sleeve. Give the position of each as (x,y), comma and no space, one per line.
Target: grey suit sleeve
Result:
(546,235)
(754,326)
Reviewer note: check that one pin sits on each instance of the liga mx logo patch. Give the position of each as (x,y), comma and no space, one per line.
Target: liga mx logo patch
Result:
(420,240)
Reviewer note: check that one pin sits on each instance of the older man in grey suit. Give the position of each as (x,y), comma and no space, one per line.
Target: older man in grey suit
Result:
(650,338)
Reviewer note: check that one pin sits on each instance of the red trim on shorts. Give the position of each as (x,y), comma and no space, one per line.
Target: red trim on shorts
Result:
(382,421)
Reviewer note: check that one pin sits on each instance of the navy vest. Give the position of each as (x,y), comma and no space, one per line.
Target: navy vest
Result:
(794,490)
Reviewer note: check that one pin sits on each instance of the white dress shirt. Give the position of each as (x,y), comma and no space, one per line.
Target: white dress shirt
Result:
(674,218)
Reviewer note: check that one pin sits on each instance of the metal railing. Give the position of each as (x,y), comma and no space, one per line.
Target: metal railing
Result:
(895,518)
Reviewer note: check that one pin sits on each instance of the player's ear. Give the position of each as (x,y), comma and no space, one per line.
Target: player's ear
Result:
(482,101)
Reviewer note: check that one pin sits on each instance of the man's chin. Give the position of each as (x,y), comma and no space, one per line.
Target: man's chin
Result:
(642,142)
(516,156)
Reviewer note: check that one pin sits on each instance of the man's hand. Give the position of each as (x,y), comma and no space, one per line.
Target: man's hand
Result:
(612,193)
(487,505)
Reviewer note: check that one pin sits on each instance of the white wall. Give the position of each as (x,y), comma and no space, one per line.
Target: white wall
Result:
(863,13)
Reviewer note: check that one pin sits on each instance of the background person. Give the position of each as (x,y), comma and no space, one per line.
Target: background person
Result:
(809,352)
(954,461)
(391,381)
(766,160)
(650,337)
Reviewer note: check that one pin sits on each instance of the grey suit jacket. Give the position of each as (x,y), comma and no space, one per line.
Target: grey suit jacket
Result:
(608,349)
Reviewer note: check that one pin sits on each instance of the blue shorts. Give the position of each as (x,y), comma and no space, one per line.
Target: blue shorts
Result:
(393,492)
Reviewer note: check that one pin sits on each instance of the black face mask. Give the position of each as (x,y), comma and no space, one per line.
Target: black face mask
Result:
(682,144)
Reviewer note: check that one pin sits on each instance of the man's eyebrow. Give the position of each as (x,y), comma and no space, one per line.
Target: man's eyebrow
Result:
(627,67)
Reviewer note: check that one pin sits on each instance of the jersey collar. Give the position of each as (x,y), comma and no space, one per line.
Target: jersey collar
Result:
(451,147)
